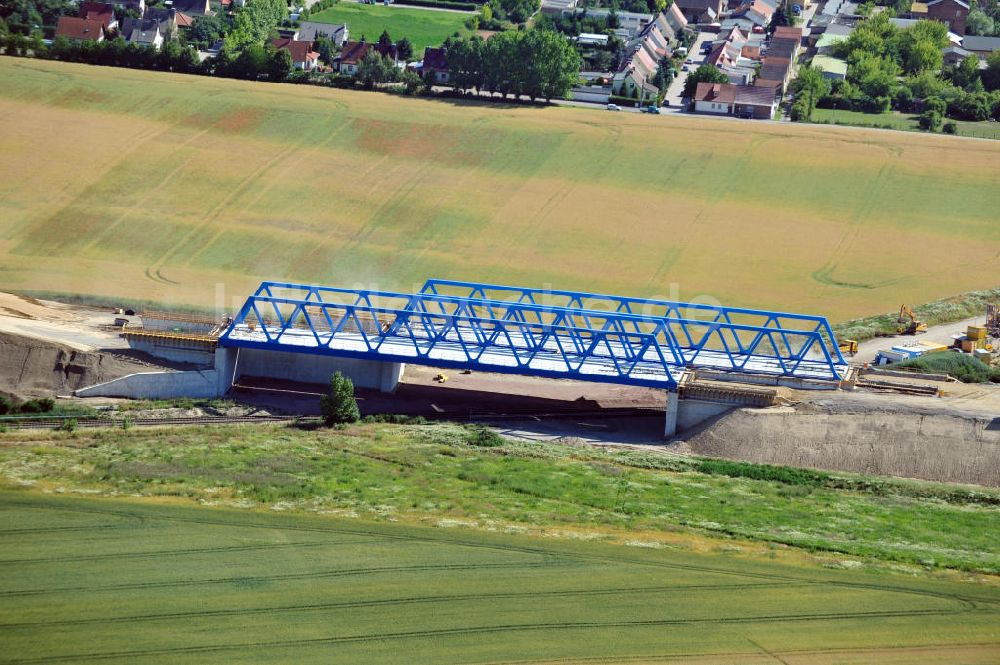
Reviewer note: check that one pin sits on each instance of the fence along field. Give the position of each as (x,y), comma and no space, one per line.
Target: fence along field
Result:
(86,579)
(157,186)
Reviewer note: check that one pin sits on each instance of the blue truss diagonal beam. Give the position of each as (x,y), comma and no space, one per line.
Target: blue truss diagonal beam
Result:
(526,334)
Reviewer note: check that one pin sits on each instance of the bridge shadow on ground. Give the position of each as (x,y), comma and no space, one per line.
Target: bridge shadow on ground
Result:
(600,414)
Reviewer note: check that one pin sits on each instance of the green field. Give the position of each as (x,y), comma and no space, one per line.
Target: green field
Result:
(431,543)
(440,472)
(134,582)
(903,121)
(189,190)
(423,27)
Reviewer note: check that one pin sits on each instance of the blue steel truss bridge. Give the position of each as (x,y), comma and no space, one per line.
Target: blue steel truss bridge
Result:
(558,334)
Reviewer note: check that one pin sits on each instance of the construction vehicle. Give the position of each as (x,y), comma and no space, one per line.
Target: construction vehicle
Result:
(848,346)
(909,324)
(993,320)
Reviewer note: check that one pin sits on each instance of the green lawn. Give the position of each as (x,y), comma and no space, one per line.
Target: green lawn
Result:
(423,27)
(903,121)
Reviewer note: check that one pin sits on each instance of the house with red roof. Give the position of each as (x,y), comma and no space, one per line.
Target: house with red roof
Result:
(99,11)
(435,65)
(303,55)
(743,100)
(351,55)
(80,29)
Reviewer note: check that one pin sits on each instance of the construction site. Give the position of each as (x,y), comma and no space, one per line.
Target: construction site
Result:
(765,387)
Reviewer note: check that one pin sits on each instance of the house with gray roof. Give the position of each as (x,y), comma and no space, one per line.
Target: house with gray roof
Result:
(310,31)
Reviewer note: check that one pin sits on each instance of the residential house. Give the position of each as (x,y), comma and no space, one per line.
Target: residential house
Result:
(183,21)
(632,21)
(310,31)
(351,55)
(675,18)
(80,29)
(642,59)
(726,99)
(435,65)
(774,74)
(665,28)
(99,11)
(954,55)
(194,7)
(981,46)
(832,68)
(146,32)
(137,5)
(788,32)
(303,56)
(953,13)
(142,28)
(753,13)
(591,39)
(701,11)
(558,6)
(904,23)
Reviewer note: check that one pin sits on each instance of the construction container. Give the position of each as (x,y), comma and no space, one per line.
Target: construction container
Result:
(983,355)
(976,332)
(887,356)
(968,345)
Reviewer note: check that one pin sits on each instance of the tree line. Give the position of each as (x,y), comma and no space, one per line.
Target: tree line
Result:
(533,63)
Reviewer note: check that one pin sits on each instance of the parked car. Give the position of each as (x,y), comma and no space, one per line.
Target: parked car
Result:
(614,107)
(651,109)
(685,68)
(796,9)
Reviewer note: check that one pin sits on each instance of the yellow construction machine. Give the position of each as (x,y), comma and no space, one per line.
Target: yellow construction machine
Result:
(848,346)
(908,322)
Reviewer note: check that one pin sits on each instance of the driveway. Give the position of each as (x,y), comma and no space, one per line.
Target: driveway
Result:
(676,89)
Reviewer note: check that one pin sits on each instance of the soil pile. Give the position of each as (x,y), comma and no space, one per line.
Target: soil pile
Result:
(32,367)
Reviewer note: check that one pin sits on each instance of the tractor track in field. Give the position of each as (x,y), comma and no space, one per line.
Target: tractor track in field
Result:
(184,552)
(548,558)
(342,572)
(405,601)
(480,630)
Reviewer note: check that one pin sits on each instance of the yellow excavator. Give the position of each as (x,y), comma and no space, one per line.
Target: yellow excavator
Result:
(908,322)
(848,346)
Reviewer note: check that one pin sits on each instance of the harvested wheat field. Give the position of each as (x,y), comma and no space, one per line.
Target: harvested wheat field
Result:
(158,186)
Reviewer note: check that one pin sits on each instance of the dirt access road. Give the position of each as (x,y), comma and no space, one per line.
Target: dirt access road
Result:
(79,328)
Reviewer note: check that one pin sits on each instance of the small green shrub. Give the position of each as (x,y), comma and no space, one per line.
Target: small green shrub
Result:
(127,424)
(43,405)
(780,474)
(962,366)
(68,425)
(394,419)
(483,437)
(6,406)
(340,406)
